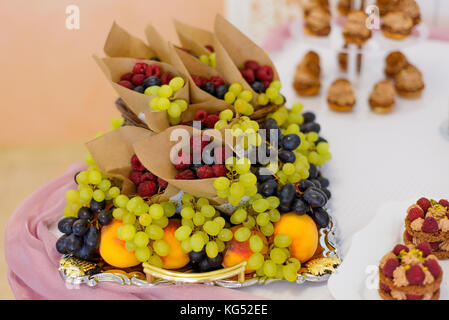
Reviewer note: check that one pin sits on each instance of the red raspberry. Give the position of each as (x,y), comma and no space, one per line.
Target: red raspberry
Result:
(185,175)
(211,120)
(221,154)
(205,172)
(196,79)
(153,70)
(266,83)
(198,143)
(137,79)
(127,76)
(162,183)
(430,225)
(249,75)
(148,176)
(424,203)
(398,248)
(433,267)
(203,80)
(126,84)
(251,64)
(216,81)
(219,170)
(385,287)
(201,115)
(140,67)
(135,177)
(165,78)
(135,163)
(435,245)
(264,73)
(183,161)
(415,275)
(408,236)
(210,48)
(147,189)
(425,248)
(415,213)
(444,203)
(390,266)
(413,296)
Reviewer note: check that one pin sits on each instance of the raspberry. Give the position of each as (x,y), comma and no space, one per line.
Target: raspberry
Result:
(127,76)
(251,64)
(433,267)
(196,79)
(183,161)
(249,75)
(185,175)
(444,203)
(148,176)
(221,154)
(216,81)
(165,78)
(135,177)
(266,83)
(205,172)
(415,275)
(414,296)
(140,68)
(209,47)
(126,84)
(415,213)
(424,203)
(203,80)
(135,163)
(430,225)
(147,189)
(425,248)
(137,79)
(435,245)
(219,170)
(211,120)
(390,266)
(162,183)
(265,73)
(385,287)
(201,115)
(153,70)
(398,248)
(408,236)
(198,143)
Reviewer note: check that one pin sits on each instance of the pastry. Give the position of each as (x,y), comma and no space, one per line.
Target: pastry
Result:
(354,29)
(440,249)
(409,82)
(317,22)
(410,273)
(307,6)
(411,8)
(386,6)
(382,98)
(394,63)
(397,25)
(342,58)
(345,6)
(307,76)
(340,96)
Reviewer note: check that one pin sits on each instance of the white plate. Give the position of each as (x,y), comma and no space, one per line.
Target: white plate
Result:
(357,277)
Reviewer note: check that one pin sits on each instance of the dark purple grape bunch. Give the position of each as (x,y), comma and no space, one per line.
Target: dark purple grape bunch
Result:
(202,263)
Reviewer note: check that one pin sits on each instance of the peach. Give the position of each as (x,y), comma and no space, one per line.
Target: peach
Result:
(113,250)
(237,252)
(303,232)
(176,258)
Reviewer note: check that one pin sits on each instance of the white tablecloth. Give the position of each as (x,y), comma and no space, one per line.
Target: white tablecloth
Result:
(376,158)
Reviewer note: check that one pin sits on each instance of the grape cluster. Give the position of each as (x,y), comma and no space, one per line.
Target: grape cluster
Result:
(210,59)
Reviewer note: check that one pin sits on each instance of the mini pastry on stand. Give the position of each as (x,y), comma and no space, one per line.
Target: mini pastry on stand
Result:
(344,6)
(386,6)
(397,25)
(410,273)
(411,8)
(308,5)
(382,98)
(395,62)
(307,77)
(409,82)
(354,29)
(340,96)
(342,58)
(318,22)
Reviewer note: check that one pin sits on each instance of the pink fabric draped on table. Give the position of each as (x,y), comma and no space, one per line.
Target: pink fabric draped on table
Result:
(33,260)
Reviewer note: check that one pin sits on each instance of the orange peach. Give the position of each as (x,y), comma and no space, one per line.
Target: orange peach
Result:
(176,258)
(303,232)
(237,252)
(113,250)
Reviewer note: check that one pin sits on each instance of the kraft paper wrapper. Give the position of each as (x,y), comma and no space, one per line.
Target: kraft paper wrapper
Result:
(236,49)
(120,43)
(154,153)
(194,39)
(112,153)
(114,68)
(158,43)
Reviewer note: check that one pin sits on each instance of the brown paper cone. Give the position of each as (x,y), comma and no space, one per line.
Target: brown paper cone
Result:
(239,48)
(114,68)
(194,39)
(120,43)
(158,43)
(154,153)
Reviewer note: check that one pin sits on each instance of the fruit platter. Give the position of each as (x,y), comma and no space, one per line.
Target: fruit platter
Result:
(209,176)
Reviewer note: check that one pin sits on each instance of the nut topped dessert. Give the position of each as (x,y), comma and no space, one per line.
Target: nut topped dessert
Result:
(397,25)
(394,63)
(354,29)
(409,82)
(307,76)
(317,22)
(410,272)
(340,96)
(382,98)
